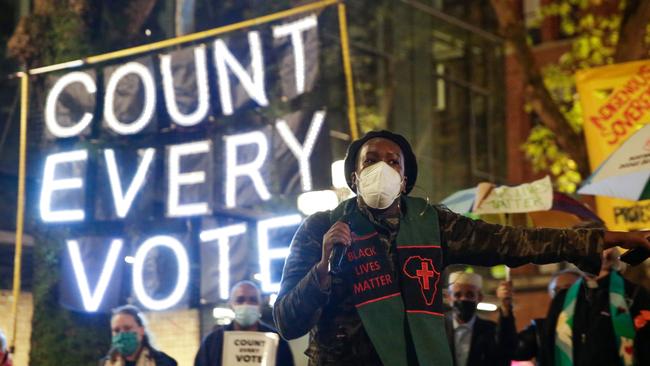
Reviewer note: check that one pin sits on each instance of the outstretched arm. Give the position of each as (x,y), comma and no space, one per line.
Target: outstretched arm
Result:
(476,242)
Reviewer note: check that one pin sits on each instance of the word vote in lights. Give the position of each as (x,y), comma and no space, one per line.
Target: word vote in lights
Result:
(92,296)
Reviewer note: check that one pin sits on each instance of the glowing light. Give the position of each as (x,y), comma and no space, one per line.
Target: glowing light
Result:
(254,85)
(338,174)
(267,254)
(272,299)
(183,272)
(149,98)
(50,105)
(486,306)
(178,179)
(201,111)
(123,201)
(92,299)
(302,153)
(129,259)
(219,313)
(315,201)
(51,185)
(222,235)
(252,169)
(257,276)
(295,29)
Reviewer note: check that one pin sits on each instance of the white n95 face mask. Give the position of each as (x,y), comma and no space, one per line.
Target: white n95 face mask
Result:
(379,185)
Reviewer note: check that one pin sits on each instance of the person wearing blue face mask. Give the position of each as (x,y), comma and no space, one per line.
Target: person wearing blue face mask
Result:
(131,344)
(245,301)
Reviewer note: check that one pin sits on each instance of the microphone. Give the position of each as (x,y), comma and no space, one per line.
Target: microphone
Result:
(339,250)
(336,258)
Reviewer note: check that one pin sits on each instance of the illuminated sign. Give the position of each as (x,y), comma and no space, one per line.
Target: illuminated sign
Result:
(195,157)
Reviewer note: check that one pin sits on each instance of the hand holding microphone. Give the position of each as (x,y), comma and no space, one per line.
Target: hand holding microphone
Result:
(335,243)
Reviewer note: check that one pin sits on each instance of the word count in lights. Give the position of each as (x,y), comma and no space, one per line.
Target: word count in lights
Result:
(238,82)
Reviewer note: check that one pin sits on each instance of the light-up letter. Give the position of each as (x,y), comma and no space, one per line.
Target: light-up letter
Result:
(222,235)
(302,153)
(254,85)
(338,174)
(183,272)
(176,179)
(149,98)
(267,254)
(295,29)
(315,201)
(51,185)
(201,111)
(50,104)
(121,200)
(252,169)
(92,299)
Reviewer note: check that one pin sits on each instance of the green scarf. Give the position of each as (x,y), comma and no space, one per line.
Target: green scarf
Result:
(621,322)
(400,304)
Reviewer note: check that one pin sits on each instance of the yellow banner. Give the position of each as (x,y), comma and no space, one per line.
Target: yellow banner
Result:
(615,102)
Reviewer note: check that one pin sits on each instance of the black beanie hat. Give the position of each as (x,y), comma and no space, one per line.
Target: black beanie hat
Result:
(410,163)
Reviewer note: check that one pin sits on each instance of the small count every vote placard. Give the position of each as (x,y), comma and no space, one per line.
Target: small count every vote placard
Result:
(249,348)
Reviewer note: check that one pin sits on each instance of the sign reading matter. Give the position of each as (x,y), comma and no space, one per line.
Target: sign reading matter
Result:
(615,101)
(184,159)
(527,197)
(249,348)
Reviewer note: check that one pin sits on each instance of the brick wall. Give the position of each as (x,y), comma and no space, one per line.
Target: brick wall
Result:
(176,333)
(530,305)
(25,311)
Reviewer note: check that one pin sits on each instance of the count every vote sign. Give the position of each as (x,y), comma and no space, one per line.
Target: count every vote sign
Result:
(250,348)
(172,174)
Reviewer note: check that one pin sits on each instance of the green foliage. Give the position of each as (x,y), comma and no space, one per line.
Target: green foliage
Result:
(369,119)
(594,36)
(68,37)
(85,337)
(542,150)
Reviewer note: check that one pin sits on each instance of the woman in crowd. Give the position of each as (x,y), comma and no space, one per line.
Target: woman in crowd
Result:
(131,343)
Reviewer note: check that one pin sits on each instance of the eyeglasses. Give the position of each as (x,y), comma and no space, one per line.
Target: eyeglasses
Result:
(244,299)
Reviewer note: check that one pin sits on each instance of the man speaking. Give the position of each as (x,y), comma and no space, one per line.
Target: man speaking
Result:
(384,305)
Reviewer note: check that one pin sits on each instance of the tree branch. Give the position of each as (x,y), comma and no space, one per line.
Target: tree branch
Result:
(636,18)
(540,99)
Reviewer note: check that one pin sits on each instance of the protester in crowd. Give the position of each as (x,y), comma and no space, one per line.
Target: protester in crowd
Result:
(131,344)
(602,320)
(245,300)
(476,341)
(532,341)
(5,357)
(562,280)
(384,307)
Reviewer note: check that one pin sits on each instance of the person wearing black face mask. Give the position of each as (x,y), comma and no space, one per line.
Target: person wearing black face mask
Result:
(475,341)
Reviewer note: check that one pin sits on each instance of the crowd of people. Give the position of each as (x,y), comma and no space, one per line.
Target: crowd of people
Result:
(365,281)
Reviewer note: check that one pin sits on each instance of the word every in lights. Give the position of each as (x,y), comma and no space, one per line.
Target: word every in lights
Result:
(123,197)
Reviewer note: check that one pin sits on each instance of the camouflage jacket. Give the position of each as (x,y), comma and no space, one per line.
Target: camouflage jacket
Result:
(336,333)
